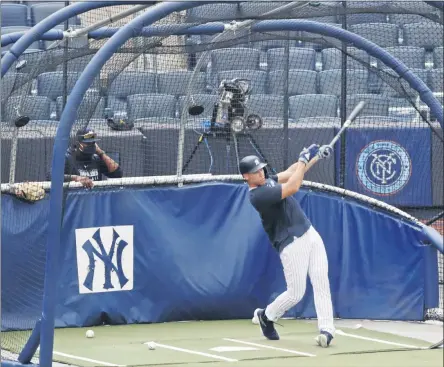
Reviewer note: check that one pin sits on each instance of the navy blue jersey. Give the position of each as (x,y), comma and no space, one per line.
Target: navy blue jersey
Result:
(94,168)
(283,219)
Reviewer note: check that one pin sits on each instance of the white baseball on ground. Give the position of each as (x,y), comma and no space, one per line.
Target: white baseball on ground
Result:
(255,319)
(151,345)
(90,334)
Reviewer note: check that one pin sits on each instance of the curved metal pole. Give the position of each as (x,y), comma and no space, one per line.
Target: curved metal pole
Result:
(93,68)
(50,22)
(107,32)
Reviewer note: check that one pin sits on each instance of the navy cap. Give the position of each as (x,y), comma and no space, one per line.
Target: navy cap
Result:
(87,136)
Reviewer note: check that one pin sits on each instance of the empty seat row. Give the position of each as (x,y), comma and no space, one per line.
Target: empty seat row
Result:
(386,82)
(251,10)
(169,106)
(384,35)
(23,15)
(306,58)
(422,34)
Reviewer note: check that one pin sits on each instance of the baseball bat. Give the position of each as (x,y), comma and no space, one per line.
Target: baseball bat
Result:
(325,153)
(347,122)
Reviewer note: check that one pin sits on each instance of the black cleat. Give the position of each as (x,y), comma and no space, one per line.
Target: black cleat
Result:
(267,326)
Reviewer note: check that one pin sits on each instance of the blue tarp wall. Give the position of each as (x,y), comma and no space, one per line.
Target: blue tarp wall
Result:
(199,252)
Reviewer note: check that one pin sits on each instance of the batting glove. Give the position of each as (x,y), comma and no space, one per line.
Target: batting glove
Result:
(307,154)
(325,151)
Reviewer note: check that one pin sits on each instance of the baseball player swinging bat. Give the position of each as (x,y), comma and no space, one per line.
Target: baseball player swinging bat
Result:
(290,231)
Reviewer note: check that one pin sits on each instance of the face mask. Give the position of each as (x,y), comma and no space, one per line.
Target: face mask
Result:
(86,151)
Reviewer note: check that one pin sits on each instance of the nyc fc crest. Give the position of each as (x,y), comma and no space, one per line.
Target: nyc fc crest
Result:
(105,259)
(383,167)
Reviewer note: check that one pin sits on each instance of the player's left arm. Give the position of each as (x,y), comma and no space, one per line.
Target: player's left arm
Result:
(284,176)
(109,167)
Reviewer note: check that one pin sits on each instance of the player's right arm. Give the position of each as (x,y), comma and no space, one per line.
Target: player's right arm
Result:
(294,182)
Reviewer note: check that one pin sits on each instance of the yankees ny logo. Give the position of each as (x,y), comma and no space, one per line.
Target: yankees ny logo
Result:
(105,259)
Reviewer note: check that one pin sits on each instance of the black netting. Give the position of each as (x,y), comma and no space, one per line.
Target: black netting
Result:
(34,90)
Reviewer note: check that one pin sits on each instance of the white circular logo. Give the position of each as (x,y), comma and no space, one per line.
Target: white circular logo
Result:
(383,167)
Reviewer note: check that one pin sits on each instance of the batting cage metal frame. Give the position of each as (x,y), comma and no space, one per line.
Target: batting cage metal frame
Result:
(213,103)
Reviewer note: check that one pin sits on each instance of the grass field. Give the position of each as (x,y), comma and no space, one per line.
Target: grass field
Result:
(237,342)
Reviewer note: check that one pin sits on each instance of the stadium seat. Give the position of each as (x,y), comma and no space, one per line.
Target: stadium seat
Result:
(415,8)
(35,107)
(412,57)
(313,105)
(131,82)
(332,58)
(436,81)
(51,84)
(258,79)
(425,35)
(266,105)
(40,11)
(151,105)
(212,13)
(330,81)
(91,107)
(401,19)
(375,105)
(235,59)
(14,15)
(116,104)
(205,100)
(176,83)
(126,83)
(403,88)
(282,39)
(438,57)
(298,58)
(10,84)
(299,82)
(382,34)
(368,16)
(251,10)
(74,65)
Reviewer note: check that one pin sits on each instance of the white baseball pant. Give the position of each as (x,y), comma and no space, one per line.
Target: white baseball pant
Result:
(305,255)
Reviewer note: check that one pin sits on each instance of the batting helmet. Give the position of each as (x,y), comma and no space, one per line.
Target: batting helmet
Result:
(250,164)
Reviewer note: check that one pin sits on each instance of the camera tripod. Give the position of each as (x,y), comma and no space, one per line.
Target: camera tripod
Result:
(225,132)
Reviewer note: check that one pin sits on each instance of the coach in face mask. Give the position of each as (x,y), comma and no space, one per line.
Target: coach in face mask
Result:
(86,162)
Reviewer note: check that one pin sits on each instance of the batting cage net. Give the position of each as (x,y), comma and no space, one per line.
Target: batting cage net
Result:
(172,104)
(33,93)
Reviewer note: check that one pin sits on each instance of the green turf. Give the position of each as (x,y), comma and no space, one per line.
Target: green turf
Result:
(124,345)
